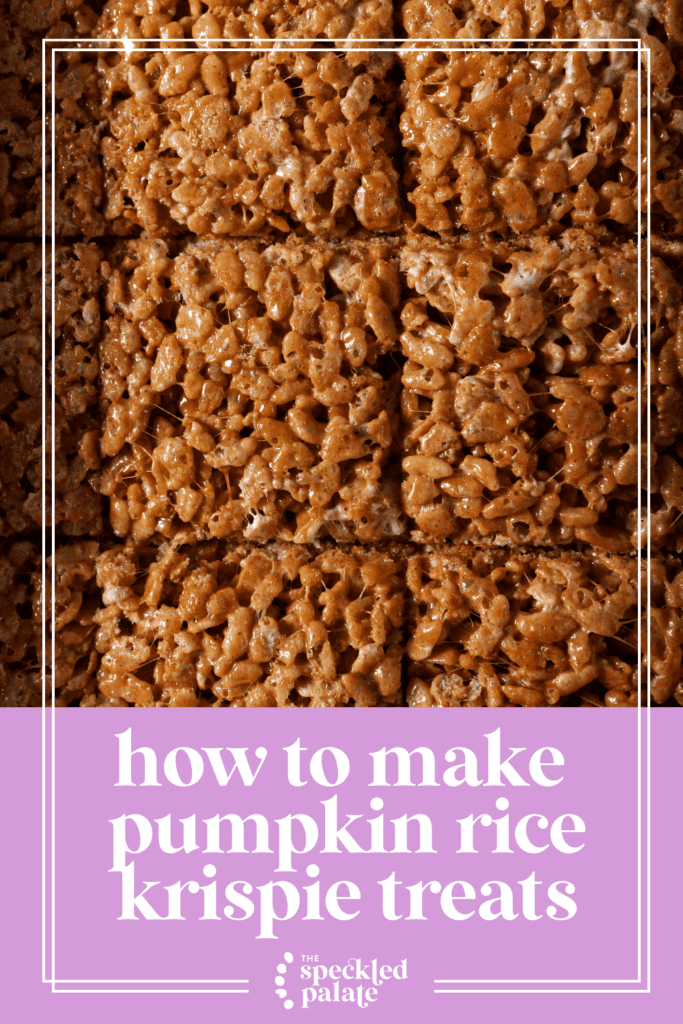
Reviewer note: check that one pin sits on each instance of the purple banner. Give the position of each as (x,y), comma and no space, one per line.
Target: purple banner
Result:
(318,864)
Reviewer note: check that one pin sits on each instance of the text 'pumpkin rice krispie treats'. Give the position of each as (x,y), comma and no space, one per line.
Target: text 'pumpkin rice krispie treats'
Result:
(520,393)
(276,625)
(229,143)
(500,627)
(251,391)
(519,141)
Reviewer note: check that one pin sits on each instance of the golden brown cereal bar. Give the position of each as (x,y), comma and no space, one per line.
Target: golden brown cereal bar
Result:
(20,624)
(234,143)
(76,600)
(516,141)
(240,19)
(20,134)
(665,364)
(20,387)
(78,509)
(666,623)
(251,391)
(520,399)
(497,628)
(253,626)
(527,19)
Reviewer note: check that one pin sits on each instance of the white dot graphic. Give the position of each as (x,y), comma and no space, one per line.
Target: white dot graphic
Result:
(280,980)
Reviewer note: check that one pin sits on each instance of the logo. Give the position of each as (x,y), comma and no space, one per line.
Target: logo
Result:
(357,981)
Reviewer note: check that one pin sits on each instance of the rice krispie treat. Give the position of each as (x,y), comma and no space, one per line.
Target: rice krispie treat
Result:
(520,141)
(251,391)
(23,25)
(276,625)
(527,19)
(78,509)
(666,624)
(494,628)
(235,143)
(520,392)
(20,624)
(240,19)
(665,364)
(20,133)
(20,388)
(76,601)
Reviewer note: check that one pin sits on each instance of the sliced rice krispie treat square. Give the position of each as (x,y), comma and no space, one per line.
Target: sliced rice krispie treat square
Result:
(78,510)
(666,396)
(666,626)
(516,141)
(23,26)
(20,132)
(251,391)
(79,177)
(278,625)
(241,19)
(76,601)
(20,624)
(20,387)
(527,19)
(500,628)
(56,19)
(232,143)
(520,392)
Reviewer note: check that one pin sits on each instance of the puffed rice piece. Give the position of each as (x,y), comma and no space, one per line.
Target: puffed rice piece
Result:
(279,625)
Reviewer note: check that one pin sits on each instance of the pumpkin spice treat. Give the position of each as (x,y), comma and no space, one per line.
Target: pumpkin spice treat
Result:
(228,143)
(520,392)
(250,390)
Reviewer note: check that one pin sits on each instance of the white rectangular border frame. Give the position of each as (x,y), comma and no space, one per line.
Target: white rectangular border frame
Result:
(644,792)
